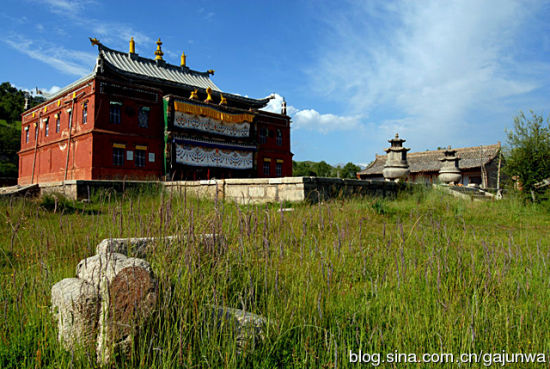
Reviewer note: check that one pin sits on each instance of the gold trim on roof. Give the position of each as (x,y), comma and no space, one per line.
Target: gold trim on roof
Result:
(206,111)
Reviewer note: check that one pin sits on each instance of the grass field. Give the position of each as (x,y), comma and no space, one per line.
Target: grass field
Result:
(423,273)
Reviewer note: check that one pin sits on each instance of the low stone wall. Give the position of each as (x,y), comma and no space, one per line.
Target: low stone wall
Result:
(83,189)
(293,189)
(241,190)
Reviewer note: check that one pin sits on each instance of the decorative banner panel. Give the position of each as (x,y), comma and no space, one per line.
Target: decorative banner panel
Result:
(212,112)
(213,157)
(210,125)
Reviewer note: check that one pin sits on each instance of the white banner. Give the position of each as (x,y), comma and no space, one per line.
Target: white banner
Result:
(210,125)
(213,157)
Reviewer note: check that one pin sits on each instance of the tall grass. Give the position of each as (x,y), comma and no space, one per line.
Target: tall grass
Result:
(418,274)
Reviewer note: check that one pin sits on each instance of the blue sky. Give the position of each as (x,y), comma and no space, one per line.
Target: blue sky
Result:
(353,73)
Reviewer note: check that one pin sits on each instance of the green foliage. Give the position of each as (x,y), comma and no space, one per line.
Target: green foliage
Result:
(12,102)
(528,155)
(323,169)
(350,171)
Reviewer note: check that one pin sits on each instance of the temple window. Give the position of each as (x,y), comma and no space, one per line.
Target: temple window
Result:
(263,135)
(118,154)
(27,134)
(46,127)
(279,168)
(114,112)
(279,137)
(267,166)
(140,156)
(84,113)
(57,123)
(143,117)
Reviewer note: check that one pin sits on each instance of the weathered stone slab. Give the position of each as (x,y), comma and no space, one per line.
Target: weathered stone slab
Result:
(75,305)
(128,293)
(249,329)
(142,246)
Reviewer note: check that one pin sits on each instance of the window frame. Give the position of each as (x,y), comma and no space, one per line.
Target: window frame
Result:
(263,133)
(141,154)
(115,112)
(85,113)
(267,167)
(146,111)
(279,136)
(119,156)
(279,169)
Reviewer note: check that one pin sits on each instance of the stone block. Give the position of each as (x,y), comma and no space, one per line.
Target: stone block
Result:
(75,306)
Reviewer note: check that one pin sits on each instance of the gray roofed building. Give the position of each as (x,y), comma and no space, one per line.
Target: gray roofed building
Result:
(424,165)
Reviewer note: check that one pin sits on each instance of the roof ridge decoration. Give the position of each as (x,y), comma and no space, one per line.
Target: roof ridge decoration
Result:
(102,49)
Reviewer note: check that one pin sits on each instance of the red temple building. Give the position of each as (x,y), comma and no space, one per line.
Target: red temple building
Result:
(136,118)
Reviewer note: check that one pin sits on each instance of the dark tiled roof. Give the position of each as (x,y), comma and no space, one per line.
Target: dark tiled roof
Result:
(164,73)
(428,161)
(134,64)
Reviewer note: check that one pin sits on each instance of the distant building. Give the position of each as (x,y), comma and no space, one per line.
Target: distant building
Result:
(139,118)
(479,165)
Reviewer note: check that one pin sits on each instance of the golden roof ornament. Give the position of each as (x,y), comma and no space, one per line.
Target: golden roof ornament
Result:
(210,71)
(94,41)
(132,46)
(209,98)
(194,95)
(158,51)
(223,100)
(183,57)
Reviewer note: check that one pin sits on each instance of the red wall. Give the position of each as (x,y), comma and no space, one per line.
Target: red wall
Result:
(270,149)
(48,154)
(128,132)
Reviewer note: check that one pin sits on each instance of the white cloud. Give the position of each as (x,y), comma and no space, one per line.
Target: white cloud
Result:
(425,67)
(324,123)
(66,61)
(310,119)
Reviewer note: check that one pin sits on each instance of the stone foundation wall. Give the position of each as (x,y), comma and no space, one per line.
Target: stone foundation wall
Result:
(292,189)
(242,191)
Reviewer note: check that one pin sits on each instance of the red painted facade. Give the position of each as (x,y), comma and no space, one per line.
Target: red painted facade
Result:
(95,130)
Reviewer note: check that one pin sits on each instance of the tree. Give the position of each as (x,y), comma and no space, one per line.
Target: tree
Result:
(528,156)
(349,171)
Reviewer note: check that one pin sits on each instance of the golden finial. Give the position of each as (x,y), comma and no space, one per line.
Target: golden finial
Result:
(132,46)
(209,95)
(94,41)
(158,52)
(194,95)
(183,59)
(223,100)
(210,71)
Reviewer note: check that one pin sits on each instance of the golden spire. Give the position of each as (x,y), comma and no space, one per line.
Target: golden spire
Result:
(158,51)
(183,59)
(132,46)
(194,95)
(223,100)
(209,98)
